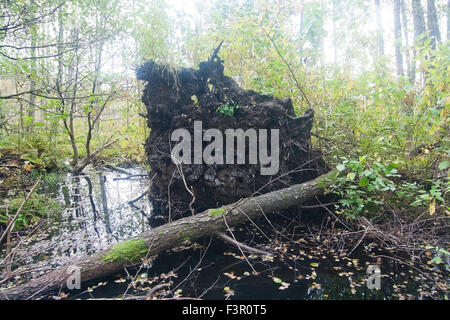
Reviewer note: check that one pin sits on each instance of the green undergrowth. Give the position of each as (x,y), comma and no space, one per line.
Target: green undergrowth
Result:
(37,207)
(371,186)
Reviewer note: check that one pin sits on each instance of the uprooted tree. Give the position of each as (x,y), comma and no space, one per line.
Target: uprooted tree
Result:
(229,195)
(178,98)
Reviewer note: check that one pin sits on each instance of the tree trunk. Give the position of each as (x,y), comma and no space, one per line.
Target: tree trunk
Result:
(59,75)
(301,30)
(432,23)
(335,32)
(448,20)
(409,62)
(170,235)
(418,19)
(380,38)
(419,32)
(33,71)
(398,39)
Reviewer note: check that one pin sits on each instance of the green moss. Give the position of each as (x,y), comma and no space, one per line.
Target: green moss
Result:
(217,212)
(185,236)
(325,182)
(127,251)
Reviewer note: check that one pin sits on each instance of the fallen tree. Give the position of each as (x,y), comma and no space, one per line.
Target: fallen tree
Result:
(171,235)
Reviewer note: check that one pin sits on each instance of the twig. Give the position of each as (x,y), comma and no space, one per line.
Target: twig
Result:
(130,176)
(8,251)
(157,287)
(243,246)
(187,188)
(93,154)
(359,242)
(9,227)
(288,66)
(195,268)
(215,52)
(131,202)
(120,170)
(238,245)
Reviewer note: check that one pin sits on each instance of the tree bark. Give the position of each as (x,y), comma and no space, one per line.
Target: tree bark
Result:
(335,32)
(398,39)
(33,71)
(419,32)
(409,62)
(380,38)
(432,23)
(448,20)
(173,234)
(418,19)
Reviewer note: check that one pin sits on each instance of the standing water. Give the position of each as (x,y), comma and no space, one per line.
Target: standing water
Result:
(103,207)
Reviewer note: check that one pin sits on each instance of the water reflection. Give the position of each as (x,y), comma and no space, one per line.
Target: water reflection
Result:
(101,207)
(104,207)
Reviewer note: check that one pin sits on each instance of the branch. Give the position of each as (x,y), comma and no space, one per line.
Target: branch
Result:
(11,223)
(289,67)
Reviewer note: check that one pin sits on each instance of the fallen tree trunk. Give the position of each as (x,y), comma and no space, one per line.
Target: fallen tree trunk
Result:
(170,235)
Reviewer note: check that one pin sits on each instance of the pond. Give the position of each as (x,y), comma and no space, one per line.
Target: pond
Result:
(103,207)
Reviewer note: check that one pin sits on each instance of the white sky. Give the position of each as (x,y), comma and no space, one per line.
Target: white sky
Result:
(188,8)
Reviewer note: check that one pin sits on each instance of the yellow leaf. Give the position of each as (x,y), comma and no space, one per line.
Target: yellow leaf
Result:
(432,207)
(28,167)
(277,280)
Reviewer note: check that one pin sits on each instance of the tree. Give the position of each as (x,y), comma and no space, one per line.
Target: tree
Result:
(419,33)
(448,20)
(418,20)
(380,38)
(33,44)
(404,22)
(398,38)
(432,23)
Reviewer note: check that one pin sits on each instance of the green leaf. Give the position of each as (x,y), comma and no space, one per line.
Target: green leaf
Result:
(444,165)
(340,167)
(27,120)
(443,251)
(364,182)
(436,260)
